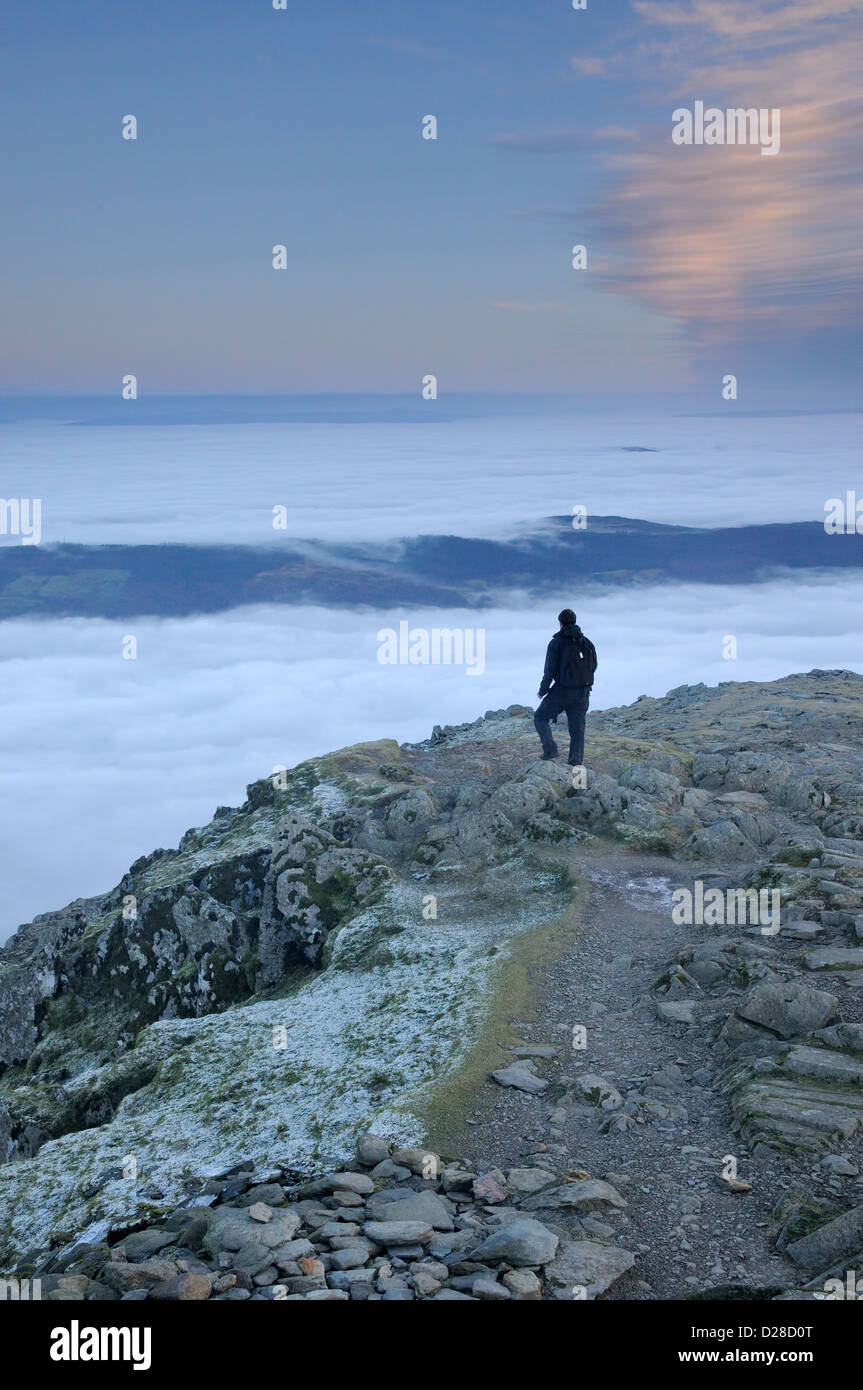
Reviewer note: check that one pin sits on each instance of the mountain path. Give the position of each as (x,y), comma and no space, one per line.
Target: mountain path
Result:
(689,1230)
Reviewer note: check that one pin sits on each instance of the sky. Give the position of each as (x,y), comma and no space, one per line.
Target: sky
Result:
(302,127)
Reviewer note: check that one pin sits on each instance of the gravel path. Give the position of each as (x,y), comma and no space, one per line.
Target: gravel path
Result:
(688,1228)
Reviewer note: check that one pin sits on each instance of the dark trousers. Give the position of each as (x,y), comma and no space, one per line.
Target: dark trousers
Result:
(574,699)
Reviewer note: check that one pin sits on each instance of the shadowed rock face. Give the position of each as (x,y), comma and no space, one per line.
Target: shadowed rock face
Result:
(319,960)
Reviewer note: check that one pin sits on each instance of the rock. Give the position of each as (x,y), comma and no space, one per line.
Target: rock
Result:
(421,1162)
(835,1240)
(358,1183)
(488,1290)
(841,1164)
(372,1150)
(231,1228)
(676,1011)
(490,1188)
(423,1207)
(523,1285)
(451,1296)
(305,1283)
(185,1288)
(145,1275)
(456,1179)
(270,1192)
(723,841)
(789,1010)
(425,1284)
(835,958)
(398,1232)
(597,1091)
(589,1266)
(140,1245)
(521,1077)
(528,1180)
(252,1257)
(388,1169)
(589,1195)
(259,1211)
(291,1251)
(522,1242)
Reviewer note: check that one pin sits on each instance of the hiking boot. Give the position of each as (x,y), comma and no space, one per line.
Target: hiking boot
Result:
(552,753)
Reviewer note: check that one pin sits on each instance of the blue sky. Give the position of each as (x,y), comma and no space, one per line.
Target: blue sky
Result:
(406,256)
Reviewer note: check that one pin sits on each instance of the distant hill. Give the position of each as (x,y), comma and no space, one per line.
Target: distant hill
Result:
(115,581)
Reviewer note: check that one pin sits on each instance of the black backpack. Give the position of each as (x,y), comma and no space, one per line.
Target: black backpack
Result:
(577,661)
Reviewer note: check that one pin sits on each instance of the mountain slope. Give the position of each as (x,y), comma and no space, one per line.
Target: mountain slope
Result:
(348,950)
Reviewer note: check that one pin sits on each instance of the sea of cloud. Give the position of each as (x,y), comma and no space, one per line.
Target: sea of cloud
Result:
(103,759)
(477,476)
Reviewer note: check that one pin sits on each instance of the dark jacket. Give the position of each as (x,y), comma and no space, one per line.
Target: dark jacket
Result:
(567,661)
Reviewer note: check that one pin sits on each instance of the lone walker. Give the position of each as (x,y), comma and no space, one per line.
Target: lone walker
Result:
(570,666)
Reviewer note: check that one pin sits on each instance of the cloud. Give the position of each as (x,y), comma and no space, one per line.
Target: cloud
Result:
(105,759)
(588,67)
(739,19)
(728,242)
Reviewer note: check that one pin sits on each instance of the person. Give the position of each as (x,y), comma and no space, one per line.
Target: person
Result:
(570,666)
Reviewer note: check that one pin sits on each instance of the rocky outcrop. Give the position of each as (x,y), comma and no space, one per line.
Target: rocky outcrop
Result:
(322,961)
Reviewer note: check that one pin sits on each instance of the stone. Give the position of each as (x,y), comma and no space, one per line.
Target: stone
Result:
(490,1188)
(521,1242)
(523,1284)
(676,1011)
(144,1275)
(141,1245)
(398,1232)
(253,1257)
(519,1076)
(597,1091)
(589,1195)
(488,1290)
(388,1169)
(350,1258)
(422,1162)
(831,1242)
(790,1009)
(358,1183)
(272,1193)
(372,1150)
(528,1180)
(185,1288)
(424,1207)
(835,958)
(259,1211)
(588,1265)
(425,1284)
(291,1251)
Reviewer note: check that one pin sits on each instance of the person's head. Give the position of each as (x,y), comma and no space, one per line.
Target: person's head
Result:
(566,617)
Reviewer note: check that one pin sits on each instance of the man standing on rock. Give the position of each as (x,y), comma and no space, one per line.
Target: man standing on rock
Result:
(570,666)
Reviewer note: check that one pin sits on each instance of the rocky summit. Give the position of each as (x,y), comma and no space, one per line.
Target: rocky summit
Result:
(443,1021)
